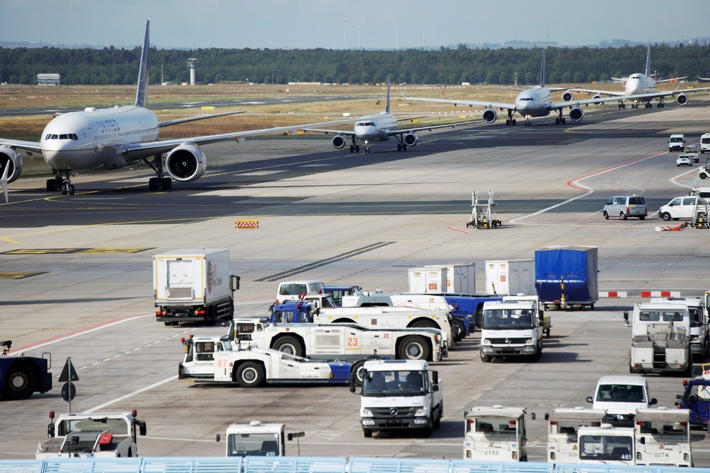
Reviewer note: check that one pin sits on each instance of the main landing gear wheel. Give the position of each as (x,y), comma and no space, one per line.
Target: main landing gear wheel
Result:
(160,184)
(67,188)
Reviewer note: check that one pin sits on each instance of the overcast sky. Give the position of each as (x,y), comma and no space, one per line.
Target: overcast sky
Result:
(338,24)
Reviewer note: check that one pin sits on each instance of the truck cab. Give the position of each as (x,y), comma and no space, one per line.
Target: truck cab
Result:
(199,354)
(562,428)
(511,328)
(620,397)
(699,336)
(607,445)
(663,437)
(696,398)
(255,439)
(495,433)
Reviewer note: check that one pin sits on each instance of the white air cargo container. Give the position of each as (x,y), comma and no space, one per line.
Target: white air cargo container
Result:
(516,276)
(438,278)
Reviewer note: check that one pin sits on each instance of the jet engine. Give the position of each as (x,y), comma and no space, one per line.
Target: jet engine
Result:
(568,96)
(410,139)
(682,99)
(339,141)
(186,163)
(490,115)
(597,96)
(9,157)
(576,114)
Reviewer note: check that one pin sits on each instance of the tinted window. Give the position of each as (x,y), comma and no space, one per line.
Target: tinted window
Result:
(637,200)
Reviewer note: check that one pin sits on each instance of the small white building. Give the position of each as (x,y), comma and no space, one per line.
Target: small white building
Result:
(49,79)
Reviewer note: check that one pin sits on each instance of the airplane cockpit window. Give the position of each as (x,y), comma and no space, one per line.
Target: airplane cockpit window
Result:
(63,136)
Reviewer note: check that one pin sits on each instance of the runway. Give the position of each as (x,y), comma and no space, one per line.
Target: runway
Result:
(88,291)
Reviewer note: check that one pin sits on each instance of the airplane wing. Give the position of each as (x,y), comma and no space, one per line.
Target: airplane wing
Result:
(471,103)
(433,127)
(199,117)
(328,132)
(621,96)
(703,79)
(28,146)
(592,91)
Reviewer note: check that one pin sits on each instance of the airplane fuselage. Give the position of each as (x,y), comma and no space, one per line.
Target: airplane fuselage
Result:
(534,102)
(639,84)
(94,138)
(375,127)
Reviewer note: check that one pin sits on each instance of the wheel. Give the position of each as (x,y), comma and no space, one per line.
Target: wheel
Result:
(459,330)
(413,348)
(367,433)
(485,358)
(666,216)
(288,344)
(425,323)
(71,189)
(357,148)
(622,216)
(356,372)
(18,383)
(606,215)
(437,421)
(250,374)
(399,147)
(426,431)
(352,148)
(642,217)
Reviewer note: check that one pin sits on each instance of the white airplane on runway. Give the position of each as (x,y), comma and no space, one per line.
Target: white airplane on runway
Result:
(533,102)
(380,127)
(114,138)
(642,87)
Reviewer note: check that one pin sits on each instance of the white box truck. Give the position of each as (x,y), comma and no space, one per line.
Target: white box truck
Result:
(510,276)
(193,285)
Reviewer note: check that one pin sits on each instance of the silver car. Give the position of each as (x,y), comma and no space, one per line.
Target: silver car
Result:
(625,206)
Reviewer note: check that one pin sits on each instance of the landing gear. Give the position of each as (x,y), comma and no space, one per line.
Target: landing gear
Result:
(622,105)
(159,183)
(661,103)
(560,119)
(401,147)
(510,120)
(61,183)
(354,148)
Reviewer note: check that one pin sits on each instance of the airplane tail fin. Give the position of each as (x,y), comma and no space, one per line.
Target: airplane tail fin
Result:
(542,70)
(142,90)
(387,106)
(648,60)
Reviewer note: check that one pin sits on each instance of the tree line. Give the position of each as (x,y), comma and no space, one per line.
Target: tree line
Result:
(115,66)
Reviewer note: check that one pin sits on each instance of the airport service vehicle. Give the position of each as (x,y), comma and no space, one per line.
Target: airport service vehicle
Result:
(684,160)
(663,437)
(21,376)
(496,434)
(563,425)
(699,335)
(620,397)
(93,435)
(696,398)
(660,338)
(443,278)
(295,290)
(193,285)
(515,276)
(400,395)
(567,277)
(606,445)
(512,327)
(625,206)
(255,439)
(343,341)
(337,292)
(676,142)
(679,208)
(705,143)
(704,171)
(212,360)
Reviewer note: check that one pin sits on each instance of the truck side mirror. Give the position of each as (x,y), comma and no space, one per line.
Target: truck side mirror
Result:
(50,430)
(352,381)
(589,399)
(234,282)
(532,415)
(218,438)
(435,378)
(626,317)
(642,441)
(541,316)
(653,401)
(547,416)
(142,428)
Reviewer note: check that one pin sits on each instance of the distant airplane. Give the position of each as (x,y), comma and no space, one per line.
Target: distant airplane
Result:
(704,79)
(380,127)
(532,102)
(639,88)
(114,138)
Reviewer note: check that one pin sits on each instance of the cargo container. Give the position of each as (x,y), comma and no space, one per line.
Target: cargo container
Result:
(515,276)
(566,277)
(438,278)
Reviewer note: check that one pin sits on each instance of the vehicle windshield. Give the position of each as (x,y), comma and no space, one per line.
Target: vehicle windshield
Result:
(116,426)
(621,393)
(511,319)
(400,383)
(660,316)
(257,444)
(495,427)
(597,447)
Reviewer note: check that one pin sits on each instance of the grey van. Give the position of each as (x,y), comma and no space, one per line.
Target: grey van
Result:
(625,206)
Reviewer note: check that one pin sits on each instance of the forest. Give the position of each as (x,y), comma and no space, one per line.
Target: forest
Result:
(115,66)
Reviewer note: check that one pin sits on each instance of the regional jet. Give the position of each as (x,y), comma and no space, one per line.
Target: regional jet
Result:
(380,127)
(117,137)
(638,88)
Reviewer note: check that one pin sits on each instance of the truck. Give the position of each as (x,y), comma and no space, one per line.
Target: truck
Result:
(193,285)
(562,427)
(255,439)
(705,143)
(94,435)
(496,434)
(338,291)
(606,445)
(21,376)
(620,397)
(287,330)
(400,395)
(512,327)
(295,290)
(218,360)
(699,335)
(567,277)
(515,276)
(696,398)
(660,338)
(443,278)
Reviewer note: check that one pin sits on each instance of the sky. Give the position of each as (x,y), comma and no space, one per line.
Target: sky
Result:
(346,24)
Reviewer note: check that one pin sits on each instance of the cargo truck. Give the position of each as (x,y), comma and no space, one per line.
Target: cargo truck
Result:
(495,434)
(255,439)
(699,336)
(562,428)
(512,327)
(21,376)
(566,277)
(696,398)
(193,285)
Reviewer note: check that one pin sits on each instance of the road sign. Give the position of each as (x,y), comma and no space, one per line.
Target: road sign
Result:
(68,372)
(68,391)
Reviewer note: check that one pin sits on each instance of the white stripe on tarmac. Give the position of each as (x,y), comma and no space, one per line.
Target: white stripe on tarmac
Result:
(121,398)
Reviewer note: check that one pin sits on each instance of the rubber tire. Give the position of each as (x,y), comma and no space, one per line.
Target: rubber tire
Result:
(666,216)
(19,382)
(606,215)
(418,343)
(437,421)
(367,434)
(357,368)
(485,358)
(290,345)
(250,374)
(459,330)
(622,215)
(425,323)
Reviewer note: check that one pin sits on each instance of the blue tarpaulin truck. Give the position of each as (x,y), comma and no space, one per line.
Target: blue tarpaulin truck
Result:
(566,277)
(20,376)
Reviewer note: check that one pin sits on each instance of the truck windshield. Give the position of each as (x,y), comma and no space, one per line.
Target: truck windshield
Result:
(101,424)
(598,447)
(388,383)
(258,444)
(509,319)
(501,429)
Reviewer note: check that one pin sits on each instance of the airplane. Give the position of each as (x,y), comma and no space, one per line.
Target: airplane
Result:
(641,86)
(114,138)
(532,102)
(380,127)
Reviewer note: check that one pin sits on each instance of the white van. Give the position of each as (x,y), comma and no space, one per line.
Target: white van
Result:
(620,396)
(676,142)
(293,290)
(705,143)
(679,207)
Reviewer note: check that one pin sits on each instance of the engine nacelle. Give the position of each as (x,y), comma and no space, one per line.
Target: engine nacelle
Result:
(490,115)
(186,163)
(682,99)
(597,96)
(410,139)
(9,157)
(339,141)
(568,96)
(576,114)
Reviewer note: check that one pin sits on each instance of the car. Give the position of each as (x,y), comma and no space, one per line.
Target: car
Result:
(620,396)
(691,149)
(679,207)
(625,206)
(684,160)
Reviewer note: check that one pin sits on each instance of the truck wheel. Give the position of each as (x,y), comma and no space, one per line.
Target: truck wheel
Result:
(290,345)
(413,348)
(459,330)
(425,323)
(356,372)
(666,216)
(437,421)
(485,358)
(344,321)
(18,382)
(367,433)
(250,374)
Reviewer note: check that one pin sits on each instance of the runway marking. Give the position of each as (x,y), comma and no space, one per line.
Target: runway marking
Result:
(318,264)
(459,230)
(17,274)
(69,251)
(126,396)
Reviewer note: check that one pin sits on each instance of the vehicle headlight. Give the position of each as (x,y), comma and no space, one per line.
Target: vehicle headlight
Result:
(421,412)
(366,413)
(529,341)
(485,342)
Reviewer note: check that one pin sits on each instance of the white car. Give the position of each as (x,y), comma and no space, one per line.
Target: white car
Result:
(684,160)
